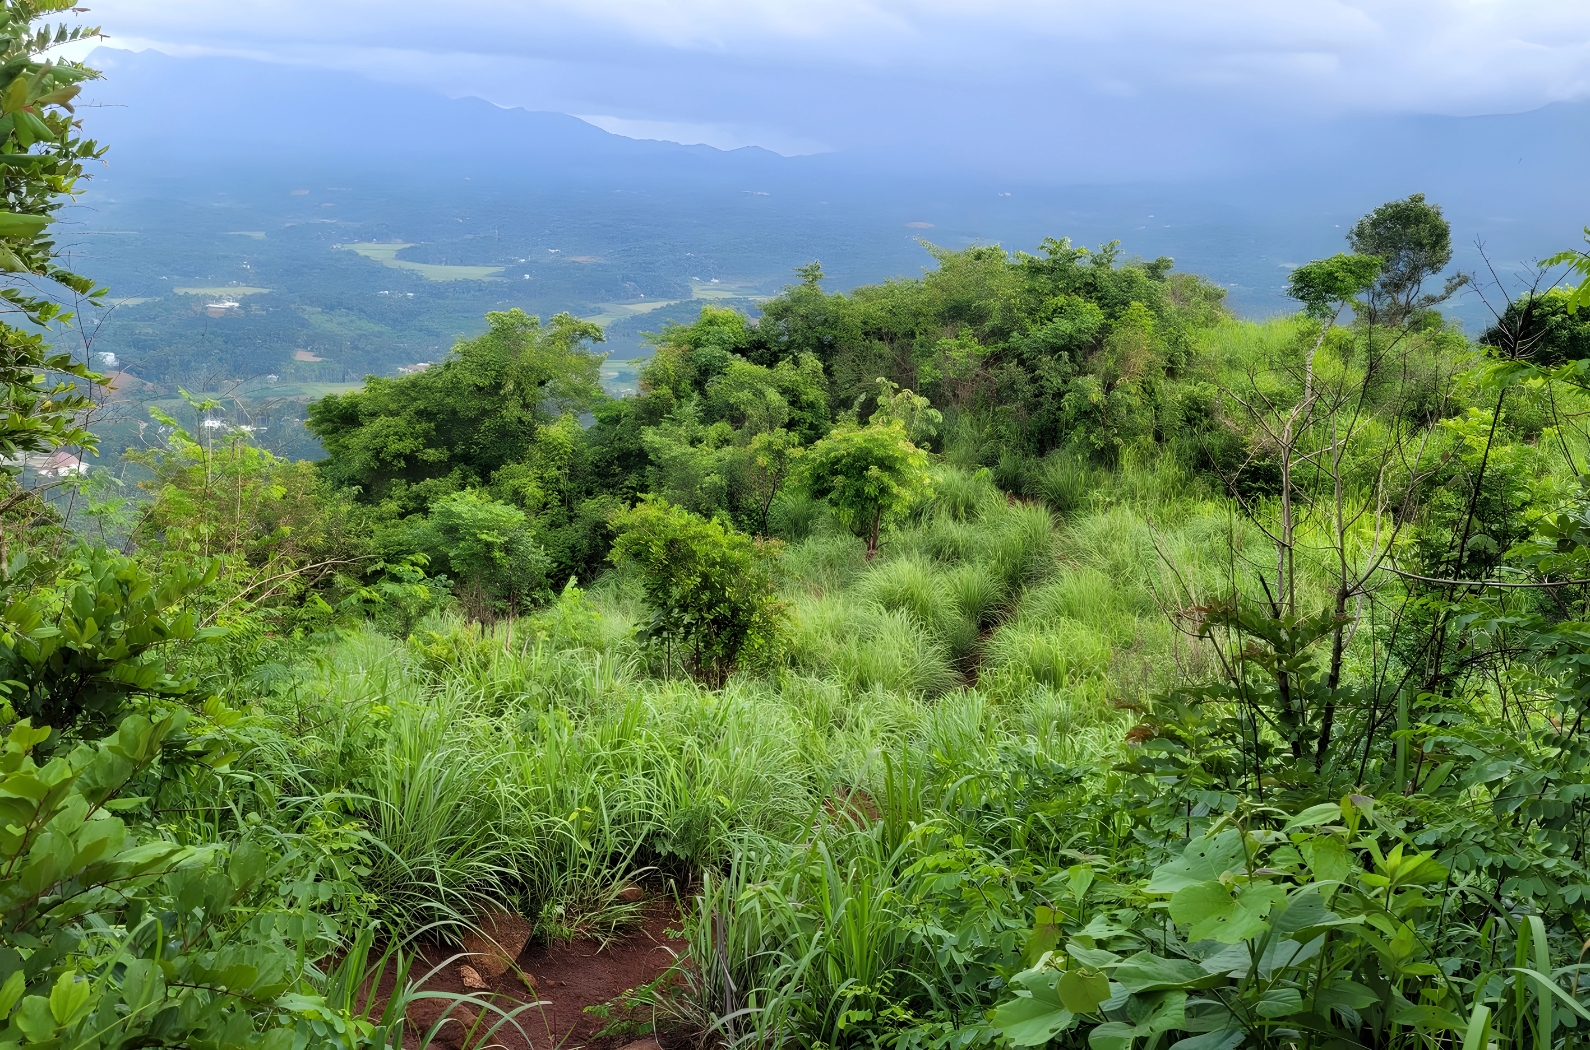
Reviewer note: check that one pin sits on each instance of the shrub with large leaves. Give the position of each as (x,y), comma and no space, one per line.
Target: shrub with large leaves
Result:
(113,937)
(76,649)
(1316,933)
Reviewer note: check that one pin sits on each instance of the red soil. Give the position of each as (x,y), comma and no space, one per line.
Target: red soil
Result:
(567,977)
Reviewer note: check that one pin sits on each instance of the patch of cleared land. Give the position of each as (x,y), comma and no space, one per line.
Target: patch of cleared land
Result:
(305,355)
(720,291)
(386,255)
(612,312)
(231,289)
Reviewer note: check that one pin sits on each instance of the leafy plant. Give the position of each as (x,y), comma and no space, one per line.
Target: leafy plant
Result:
(112,937)
(870,475)
(710,588)
(77,649)
(37,415)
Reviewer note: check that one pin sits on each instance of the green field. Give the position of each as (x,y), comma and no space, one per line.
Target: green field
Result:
(612,312)
(386,255)
(234,289)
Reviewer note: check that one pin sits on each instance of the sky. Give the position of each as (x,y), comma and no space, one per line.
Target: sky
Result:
(1033,76)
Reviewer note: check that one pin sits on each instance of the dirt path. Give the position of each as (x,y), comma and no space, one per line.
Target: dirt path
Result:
(569,978)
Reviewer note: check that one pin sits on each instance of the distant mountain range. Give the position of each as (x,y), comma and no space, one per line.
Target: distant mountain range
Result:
(361,227)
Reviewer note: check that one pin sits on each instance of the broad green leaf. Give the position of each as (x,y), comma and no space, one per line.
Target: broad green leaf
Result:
(10,992)
(1314,816)
(1204,860)
(1216,913)
(1097,958)
(1145,972)
(1155,1012)
(34,1019)
(1305,908)
(1082,992)
(69,998)
(1327,858)
(1279,1002)
(1112,1035)
(1031,1021)
(15,225)
(1045,935)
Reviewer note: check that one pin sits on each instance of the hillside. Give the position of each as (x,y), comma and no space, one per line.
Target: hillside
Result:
(1033,651)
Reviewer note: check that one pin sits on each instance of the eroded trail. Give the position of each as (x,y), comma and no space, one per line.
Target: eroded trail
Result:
(577,989)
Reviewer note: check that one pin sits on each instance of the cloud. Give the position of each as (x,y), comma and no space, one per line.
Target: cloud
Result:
(886,73)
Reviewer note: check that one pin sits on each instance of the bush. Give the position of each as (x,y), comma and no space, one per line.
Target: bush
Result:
(77,650)
(710,587)
(870,475)
(112,937)
(489,550)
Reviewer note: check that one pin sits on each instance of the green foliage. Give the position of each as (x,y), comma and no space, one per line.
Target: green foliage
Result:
(36,110)
(1323,286)
(1413,241)
(1545,329)
(710,588)
(1578,262)
(94,636)
(870,475)
(408,441)
(489,550)
(113,937)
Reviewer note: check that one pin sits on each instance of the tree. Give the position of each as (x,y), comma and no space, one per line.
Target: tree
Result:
(870,475)
(709,586)
(1414,243)
(413,439)
(36,110)
(769,459)
(914,412)
(489,549)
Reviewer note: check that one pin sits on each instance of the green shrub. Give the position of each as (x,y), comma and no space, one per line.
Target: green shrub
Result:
(710,587)
(114,937)
(94,637)
(869,475)
(489,549)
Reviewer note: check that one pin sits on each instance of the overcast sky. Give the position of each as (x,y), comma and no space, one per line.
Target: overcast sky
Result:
(809,75)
